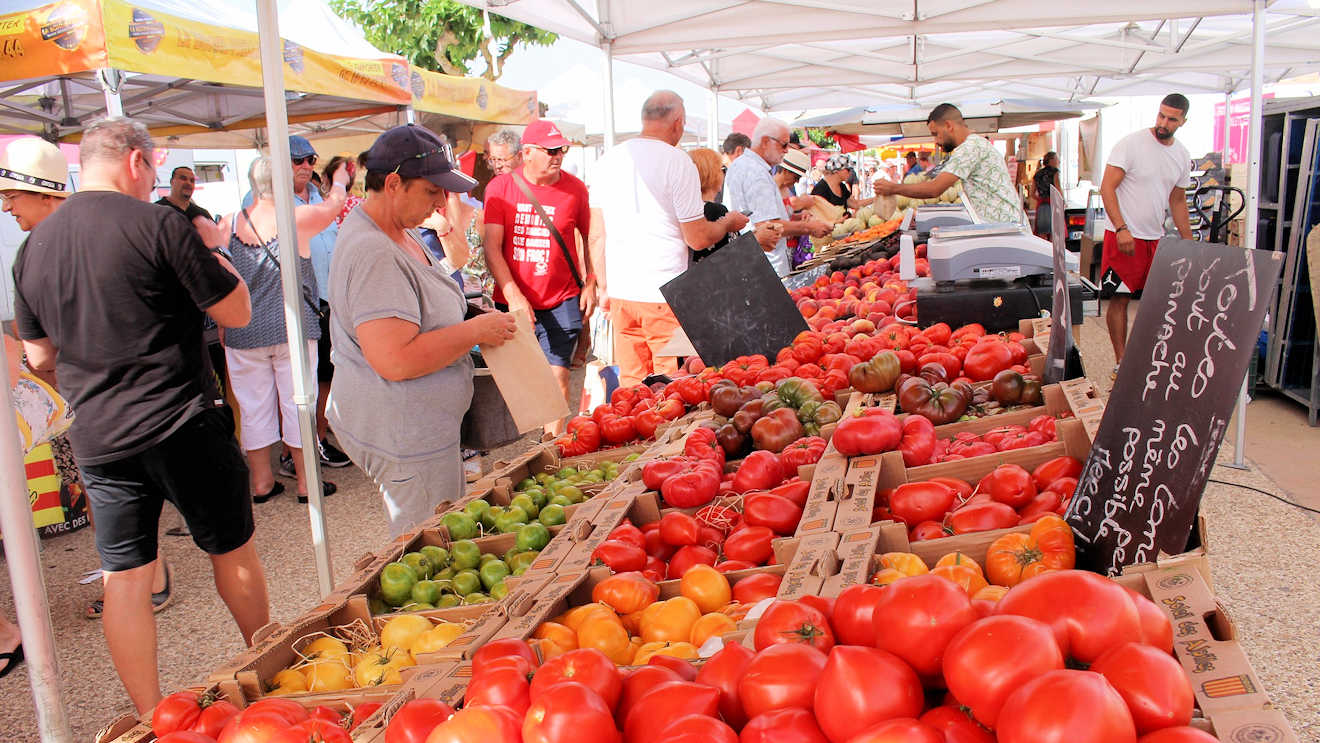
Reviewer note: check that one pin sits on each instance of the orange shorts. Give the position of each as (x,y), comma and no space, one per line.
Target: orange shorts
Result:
(640,330)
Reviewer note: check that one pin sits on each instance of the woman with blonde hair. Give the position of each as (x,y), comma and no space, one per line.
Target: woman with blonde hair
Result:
(710,173)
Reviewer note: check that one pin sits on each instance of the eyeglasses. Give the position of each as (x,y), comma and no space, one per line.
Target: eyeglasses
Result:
(310,160)
(783,144)
(444,149)
(496,162)
(7,197)
(553,151)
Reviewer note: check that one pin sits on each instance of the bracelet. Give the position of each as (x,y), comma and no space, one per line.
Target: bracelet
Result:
(1120,228)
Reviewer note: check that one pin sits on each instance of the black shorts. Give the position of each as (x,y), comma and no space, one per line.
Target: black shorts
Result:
(199,469)
(325,371)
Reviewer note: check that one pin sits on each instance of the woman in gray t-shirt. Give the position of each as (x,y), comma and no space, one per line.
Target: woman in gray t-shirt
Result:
(403,377)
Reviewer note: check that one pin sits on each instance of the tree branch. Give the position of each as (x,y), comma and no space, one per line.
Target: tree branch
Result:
(445,40)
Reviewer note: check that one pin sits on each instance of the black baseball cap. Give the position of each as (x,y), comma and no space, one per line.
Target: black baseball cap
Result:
(416,152)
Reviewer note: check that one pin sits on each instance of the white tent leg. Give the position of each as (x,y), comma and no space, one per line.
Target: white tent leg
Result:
(410,115)
(1228,128)
(23,553)
(713,125)
(1253,193)
(110,79)
(608,47)
(304,388)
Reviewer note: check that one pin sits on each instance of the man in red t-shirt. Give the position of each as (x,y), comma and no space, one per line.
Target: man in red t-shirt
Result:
(532,269)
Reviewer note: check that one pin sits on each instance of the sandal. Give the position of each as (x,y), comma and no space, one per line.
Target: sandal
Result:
(327,489)
(159,600)
(275,490)
(11,659)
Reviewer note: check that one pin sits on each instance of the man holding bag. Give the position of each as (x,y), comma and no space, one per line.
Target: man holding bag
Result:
(533,215)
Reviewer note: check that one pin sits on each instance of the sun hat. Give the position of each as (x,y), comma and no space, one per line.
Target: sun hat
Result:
(33,164)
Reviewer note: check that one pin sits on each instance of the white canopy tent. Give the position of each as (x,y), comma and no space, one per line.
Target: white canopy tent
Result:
(983,118)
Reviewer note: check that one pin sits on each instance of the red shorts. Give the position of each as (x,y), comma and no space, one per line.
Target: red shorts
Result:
(1122,274)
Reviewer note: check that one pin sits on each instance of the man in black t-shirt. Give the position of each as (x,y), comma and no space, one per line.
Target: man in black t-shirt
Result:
(111,292)
(182,183)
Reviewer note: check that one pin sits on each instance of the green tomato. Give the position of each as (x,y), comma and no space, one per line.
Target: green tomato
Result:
(493,572)
(443,576)
(476,508)
(593,477)
(510,520)
(566,472)
(437,556)
(460,525)
(527,483)
(489,515)
(465,554)
(467,581)
(426,592)
(416,606)
(526,504)
(573,493)
(521,562)
(396,583)
(487,557)
(539,498)
(499,591)
(552,515)
(632,457)
(532,537)
(448,600)
(477,598)
(544,477)
(420,565)
(563,501)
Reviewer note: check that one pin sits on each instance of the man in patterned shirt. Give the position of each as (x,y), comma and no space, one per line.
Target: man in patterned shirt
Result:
(974,161)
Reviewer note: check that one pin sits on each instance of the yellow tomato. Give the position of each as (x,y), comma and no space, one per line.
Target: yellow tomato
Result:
(378,667)
(959,558)
(325,647)
(904,562)
(990,593)
(558,634)
(436,639)
(711,625)
(401,631)
(886,576)
(707,587)
(670,621)
(573,618)
(288,681)
(607,636)
(328,675)
(683,650)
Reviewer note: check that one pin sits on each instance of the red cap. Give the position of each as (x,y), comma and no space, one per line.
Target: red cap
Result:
(544,133)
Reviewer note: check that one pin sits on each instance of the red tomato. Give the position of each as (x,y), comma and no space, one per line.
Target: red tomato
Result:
(312,731)
(1089,613)
(956,725)
(501,687)
(617,429)
(479,725)
(685,670)
(795,490)
(918,442)
(853,618)
(688,556)
(639,683)
(986,359)
(178,711)
(627,532)
(982,517)
(415,721)
(710,538)
(664,704)
(656,471)
(1064,486)
(185,736)
(655,546)
(500,648)
(793,622)
(1179,735)
(791,725)
(362,712)
(804,451)
(915,502)
(723,671)
(1011,485)
(993,657)
(779,514)
(569,712)
(961,488)
(901,730)
(781,676)
(952,366)
(1055,469)
(750,543)
(584,665)
(860,687)
(1152,684)
(728,566)
(916,618)
(518,662)
(217,714)
(254,727)
(1065,707)
(927,530)
(1156,629)
(678,529)
(823,604)
(1045,502)
(872,431)
(698,729)
(582,436)
(755,588)
(619,556)
(761,470)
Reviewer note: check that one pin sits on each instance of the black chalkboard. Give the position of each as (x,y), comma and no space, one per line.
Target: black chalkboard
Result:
(1186,357)
(732,304)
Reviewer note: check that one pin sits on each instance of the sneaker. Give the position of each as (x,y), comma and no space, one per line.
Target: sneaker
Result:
(331,456)
(472,469)
(286,466)
(327,489)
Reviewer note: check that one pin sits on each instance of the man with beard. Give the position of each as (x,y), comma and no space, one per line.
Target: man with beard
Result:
(182,184)
(1147,173)
(974,161)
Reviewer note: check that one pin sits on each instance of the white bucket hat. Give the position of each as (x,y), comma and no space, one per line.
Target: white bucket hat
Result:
(33,164)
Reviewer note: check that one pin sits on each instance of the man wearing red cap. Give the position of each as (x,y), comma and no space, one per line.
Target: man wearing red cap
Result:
(533,215)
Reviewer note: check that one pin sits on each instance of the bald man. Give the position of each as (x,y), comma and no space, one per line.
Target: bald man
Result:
(646,210)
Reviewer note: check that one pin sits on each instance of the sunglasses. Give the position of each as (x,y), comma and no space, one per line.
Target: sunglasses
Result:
(310,160)
(553,151)
(444,149)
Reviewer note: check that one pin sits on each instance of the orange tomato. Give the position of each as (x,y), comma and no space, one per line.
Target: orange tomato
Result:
(968,579)
(904,562)
(1015,557)
(736,611)
(886,576)
(609,637)
(959,558)
(558,634)
(548,648)
(990,593)
(573,618)
(683,650)
(626,593)
(707,587)
(633,622)
(670,621)
(711,625)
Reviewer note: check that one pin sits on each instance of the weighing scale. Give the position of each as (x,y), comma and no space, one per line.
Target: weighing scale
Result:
(1005,252)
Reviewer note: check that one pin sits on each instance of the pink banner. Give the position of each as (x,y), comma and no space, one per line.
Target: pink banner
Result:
(1238,123)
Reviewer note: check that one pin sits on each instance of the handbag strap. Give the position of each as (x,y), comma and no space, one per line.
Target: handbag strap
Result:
(316,307)
(554,231)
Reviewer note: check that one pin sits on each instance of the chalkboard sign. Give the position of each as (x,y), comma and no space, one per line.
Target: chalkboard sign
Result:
(805,278)
(1061,340)
(1189,349)
(732,304)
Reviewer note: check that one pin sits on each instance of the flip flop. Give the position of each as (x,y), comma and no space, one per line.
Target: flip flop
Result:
(11,660)
(159,600)
(327,489)
(275,490)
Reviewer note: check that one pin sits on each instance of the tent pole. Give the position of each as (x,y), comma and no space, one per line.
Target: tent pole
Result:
(1253,193)
(713,126)
(1228,128)
(110,80)
(304,389)
(410,114)
(608,47)
(23,553)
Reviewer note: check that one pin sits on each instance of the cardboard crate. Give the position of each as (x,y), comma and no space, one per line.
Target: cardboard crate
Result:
(818,559)
(631,501)
(127,728)
(426,683)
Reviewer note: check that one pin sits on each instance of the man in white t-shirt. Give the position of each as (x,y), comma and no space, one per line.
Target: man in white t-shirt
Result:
(1146,174)
(646,210)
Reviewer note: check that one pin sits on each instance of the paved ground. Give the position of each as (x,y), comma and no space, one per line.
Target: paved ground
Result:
(1263,553)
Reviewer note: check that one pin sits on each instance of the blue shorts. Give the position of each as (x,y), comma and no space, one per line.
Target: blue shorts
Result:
(557,329)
